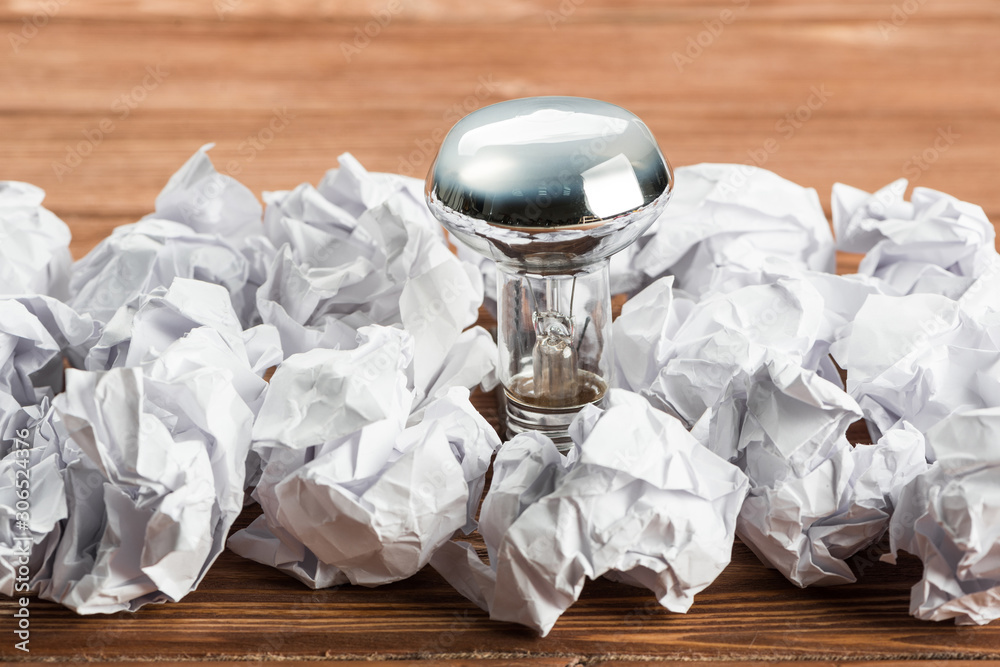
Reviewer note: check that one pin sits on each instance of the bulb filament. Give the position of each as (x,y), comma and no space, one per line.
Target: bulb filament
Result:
(554,360)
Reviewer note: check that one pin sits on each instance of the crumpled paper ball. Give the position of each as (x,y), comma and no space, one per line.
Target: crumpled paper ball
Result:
(208,202)
(692,358)
(364,249)
(354,487)
(949,517)
(136,336)
(731,215)
(935,243)
(138,258)
(30,516)
(141,469)
(140,525)
(36,332)
(207,226)
(919,358)
(637,500)
(34,244)
(218,205)
(155,466)
(189,314)
(749,372)
(807,516)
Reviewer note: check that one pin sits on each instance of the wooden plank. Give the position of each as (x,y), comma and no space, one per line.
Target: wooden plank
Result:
(390,108)
(482,11)
(257,65)
(249,611)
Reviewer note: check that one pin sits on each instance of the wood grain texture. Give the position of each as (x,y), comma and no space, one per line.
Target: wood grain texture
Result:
(888,95)
(893,80)
(247,611)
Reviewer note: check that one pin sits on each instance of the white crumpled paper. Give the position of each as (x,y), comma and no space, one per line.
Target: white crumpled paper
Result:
(30,473)
(810,510)
(207,226)
(141,504)
(745,363)
(150,447)
(137,336)
(156,453)
(35,334)
(933,244)
(355,488)
(950,518)
(919,358)
(748,371)
(637,500)
(209,202)
(34,244)
(364,249)
(137,473)
(218,205)
(728,215)
(142,256)
(698,359)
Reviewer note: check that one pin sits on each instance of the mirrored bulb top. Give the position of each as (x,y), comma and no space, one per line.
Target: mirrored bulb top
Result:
(526,180)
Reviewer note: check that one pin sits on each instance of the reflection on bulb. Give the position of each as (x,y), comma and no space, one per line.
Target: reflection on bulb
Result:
(550,188)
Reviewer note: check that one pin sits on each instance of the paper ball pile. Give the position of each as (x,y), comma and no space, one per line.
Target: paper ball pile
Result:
(366,456)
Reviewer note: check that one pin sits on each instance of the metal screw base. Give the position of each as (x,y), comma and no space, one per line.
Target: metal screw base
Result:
(517,417)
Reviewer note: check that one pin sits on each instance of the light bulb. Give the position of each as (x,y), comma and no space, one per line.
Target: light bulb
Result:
(550,188)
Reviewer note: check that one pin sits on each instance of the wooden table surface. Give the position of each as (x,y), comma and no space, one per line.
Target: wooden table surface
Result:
(102,100)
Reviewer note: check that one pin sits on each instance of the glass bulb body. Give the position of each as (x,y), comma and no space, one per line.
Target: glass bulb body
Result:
(553,335)
(549,188)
